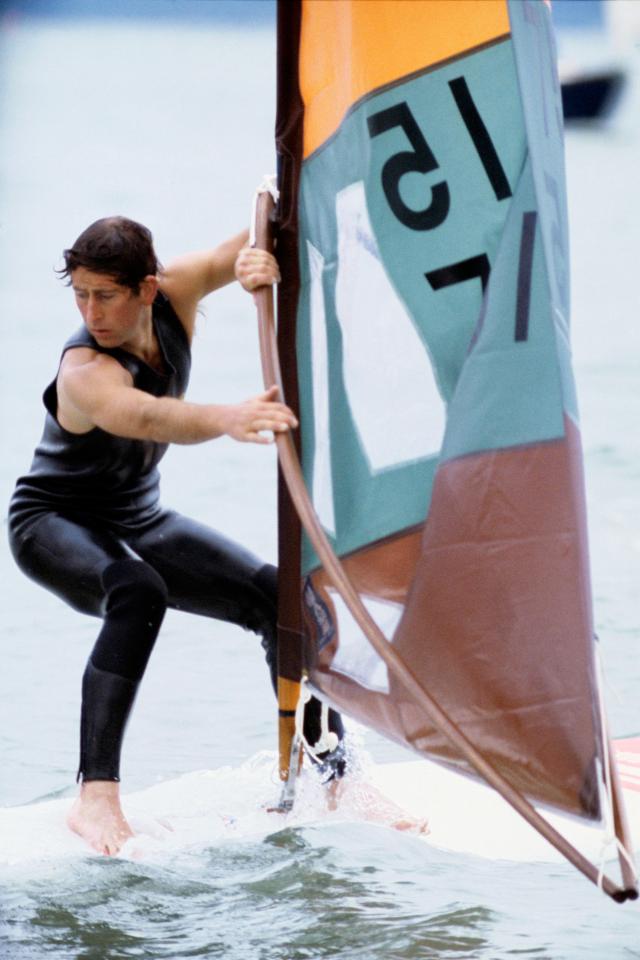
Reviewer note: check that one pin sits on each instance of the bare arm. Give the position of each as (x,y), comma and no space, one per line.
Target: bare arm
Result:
(191,277)
(94,390)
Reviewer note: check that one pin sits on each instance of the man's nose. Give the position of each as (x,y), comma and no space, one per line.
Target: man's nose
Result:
(93,308)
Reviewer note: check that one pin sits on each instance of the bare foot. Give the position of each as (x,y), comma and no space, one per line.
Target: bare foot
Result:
(98,818)
(370,804)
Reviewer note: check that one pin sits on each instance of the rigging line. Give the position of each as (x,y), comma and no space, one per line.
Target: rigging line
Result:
(610,833)
(293,475)
(612,690)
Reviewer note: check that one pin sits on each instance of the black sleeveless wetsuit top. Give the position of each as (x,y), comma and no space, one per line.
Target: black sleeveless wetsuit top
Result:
(95,476)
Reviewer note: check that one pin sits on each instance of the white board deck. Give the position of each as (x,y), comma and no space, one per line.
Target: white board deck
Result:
(210,807)
(468,817)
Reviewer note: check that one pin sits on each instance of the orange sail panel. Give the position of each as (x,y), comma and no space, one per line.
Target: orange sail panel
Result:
(423,328)
(375,43)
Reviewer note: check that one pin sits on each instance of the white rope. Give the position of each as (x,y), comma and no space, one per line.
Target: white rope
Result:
(268,185)
(328,740)
(609,837)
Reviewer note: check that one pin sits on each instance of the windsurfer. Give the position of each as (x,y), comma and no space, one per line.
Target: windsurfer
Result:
(86,522)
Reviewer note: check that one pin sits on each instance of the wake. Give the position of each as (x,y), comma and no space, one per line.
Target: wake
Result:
(208,808)
(197,810)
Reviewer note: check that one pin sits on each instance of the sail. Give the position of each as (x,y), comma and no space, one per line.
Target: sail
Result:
(423,328)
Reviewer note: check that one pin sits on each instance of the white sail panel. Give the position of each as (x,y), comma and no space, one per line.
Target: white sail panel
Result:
(356,658)
(322,484)
(403,418)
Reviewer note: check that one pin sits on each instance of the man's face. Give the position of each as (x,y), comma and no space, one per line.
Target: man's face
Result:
(113,314)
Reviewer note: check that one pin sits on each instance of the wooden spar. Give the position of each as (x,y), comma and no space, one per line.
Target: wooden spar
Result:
(292,471)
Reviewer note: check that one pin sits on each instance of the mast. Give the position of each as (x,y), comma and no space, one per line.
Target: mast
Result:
(289,151)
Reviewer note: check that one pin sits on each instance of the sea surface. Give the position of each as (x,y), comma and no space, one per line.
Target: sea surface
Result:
(172,125)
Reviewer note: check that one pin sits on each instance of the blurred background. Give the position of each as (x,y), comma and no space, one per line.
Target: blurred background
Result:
(163,110)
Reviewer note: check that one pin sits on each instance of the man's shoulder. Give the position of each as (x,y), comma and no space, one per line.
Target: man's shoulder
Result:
(80,338)
(93,363)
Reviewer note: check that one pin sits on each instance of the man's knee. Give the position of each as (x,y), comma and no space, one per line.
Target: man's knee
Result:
(132,586)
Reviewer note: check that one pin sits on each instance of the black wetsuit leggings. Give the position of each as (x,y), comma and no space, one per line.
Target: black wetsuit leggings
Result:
(129,579)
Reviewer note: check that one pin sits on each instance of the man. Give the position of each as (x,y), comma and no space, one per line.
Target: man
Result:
(86,522)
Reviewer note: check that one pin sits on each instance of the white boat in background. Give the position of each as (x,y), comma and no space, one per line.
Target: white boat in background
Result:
(598,43)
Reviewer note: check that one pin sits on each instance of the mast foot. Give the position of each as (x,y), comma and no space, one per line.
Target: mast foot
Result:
(288,795)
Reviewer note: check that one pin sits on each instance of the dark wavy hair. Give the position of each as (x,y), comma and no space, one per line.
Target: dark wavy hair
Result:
(117,247)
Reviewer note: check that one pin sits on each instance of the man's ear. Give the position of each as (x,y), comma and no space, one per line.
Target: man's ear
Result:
(148,289)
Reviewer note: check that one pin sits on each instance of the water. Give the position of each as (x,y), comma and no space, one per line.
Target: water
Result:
(173,125)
